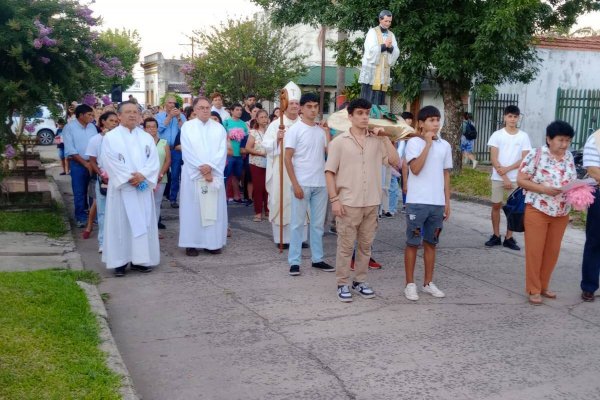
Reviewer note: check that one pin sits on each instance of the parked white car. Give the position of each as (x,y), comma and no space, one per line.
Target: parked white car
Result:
(44,126)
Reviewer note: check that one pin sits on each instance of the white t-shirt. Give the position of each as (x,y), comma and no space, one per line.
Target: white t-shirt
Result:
(93,148)
(510,150)
(428,186)
(308,143)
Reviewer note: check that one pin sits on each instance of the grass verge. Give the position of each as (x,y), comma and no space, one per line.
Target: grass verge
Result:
(49,339)
(472,182)
(43,221)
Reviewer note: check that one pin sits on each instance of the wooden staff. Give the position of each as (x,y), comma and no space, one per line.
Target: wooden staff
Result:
(283,100)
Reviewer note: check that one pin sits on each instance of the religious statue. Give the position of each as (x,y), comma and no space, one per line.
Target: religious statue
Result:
(380,54)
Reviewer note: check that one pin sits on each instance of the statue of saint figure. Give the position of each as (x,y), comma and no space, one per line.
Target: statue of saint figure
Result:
(381,53)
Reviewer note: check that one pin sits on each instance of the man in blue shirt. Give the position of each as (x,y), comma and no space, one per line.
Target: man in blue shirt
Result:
(76,136)
(169,125)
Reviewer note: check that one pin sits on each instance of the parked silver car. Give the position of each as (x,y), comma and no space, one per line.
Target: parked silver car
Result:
(41,124)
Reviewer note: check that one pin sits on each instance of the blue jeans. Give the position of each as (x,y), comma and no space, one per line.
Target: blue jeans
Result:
(176,163)
(394,193)
(315,199)
(100,208)
(80,179)
(590,268)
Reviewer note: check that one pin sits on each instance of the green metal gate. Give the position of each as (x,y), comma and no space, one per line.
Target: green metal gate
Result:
(488,117)
(581,109)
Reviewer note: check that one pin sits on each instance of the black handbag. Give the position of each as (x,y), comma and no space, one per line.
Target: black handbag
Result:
(514,209)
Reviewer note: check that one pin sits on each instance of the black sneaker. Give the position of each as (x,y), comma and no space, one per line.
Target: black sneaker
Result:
(120,271)
(305,245)
(387,215)
(323,266)
(161,226)
(294,270)
(141,268)
(494,241)
(511,244)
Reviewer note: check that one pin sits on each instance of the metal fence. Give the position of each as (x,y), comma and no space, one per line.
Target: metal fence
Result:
(488,117)
(581,109)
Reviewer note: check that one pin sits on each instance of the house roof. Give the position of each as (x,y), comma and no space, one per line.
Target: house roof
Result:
(591,43)
(313,76)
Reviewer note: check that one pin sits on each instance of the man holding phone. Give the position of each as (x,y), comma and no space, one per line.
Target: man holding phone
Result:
(169,125)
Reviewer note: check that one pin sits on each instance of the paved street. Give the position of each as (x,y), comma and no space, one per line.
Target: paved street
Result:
(236,326)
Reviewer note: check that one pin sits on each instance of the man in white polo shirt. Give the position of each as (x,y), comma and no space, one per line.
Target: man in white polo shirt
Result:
(508,147)
(305,146)
(590,270)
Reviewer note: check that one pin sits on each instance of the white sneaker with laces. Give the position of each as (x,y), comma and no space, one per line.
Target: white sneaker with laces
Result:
(433,290)
(410,292)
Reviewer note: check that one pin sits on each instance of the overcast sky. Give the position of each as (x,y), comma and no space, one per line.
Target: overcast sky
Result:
(163,28)
(163,25)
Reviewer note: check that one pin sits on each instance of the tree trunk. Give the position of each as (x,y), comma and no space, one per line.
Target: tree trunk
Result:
(341,70)
(453,117)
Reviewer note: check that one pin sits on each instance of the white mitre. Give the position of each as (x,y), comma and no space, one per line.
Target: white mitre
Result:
(293,91)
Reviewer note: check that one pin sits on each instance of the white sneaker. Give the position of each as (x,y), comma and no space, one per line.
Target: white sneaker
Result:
(433,290)
(410,292)
(475,164)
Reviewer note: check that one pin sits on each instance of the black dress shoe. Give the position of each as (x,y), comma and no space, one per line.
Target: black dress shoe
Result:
(305,245)
(323,266)
(511,244)
(140,268)
(285,245)
(216,251)
(161,226)
(120,271)
(190,251)
(587,296)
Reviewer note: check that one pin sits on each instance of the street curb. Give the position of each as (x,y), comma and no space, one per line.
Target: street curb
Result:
(107,341)
(73,258)
(470,198)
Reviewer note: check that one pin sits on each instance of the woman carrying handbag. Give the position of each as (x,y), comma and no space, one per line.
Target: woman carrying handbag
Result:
(546,210)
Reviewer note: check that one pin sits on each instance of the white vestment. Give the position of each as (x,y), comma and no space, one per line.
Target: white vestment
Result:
(130,225)
(272,181)
(202,205)
(372,57)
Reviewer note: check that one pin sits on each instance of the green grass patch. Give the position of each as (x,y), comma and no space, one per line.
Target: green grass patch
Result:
(472,182)
(44,221)
(49,339)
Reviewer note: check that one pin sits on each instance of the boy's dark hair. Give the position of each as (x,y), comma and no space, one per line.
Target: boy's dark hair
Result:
(512,110)
(236,105)
(309,98)
(216,114)
(250,95)
(258,105)
(82,109)
(147,120)
(559,128)
(407,115)
(363,104)
(428,112)
(60,121)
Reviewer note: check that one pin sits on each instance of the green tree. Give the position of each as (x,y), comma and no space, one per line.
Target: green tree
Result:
(242,57)
(122,46)
(459,44)
(50,54)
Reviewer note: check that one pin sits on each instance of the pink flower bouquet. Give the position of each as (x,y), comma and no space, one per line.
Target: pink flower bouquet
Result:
(237,134)
(581,197)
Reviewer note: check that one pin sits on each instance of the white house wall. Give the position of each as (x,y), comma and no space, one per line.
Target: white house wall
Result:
(565,69)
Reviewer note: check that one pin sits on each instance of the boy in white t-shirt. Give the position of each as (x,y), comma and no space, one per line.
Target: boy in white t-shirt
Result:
(429,160)
(508,147)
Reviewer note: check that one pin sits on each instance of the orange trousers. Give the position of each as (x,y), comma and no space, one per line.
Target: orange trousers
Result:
(543,236)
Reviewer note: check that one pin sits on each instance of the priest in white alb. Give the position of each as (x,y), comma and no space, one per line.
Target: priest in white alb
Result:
(271,144)
(130,158)
(203,206)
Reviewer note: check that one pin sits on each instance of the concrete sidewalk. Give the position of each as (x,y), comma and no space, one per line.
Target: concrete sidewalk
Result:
(236,326)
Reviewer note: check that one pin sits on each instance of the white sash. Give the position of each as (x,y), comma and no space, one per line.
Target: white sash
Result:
(207,194)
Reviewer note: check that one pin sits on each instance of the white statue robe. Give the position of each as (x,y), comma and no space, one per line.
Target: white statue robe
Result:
(130,226)
(202,205)
(272,181)
(372,57)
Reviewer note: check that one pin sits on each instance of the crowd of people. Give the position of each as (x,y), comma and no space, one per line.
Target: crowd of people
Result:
(206,156)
